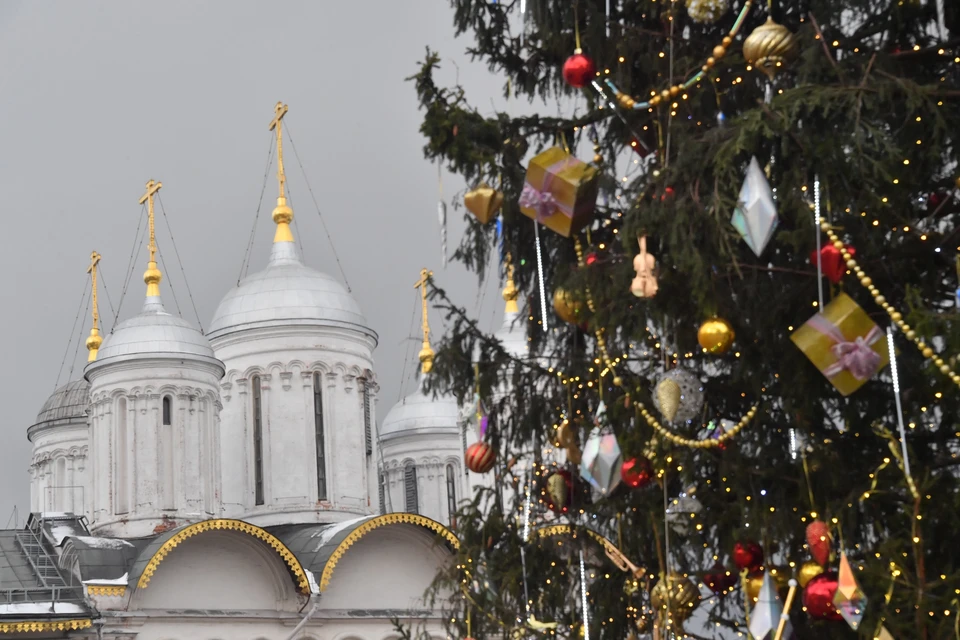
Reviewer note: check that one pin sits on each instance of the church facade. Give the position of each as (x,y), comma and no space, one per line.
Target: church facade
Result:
(234,484)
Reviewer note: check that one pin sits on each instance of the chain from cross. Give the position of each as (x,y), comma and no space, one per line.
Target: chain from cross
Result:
(152,189)
(276,124)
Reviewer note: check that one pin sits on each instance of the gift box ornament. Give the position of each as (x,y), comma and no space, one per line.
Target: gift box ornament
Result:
(560,191)
(843,343)
(755,217)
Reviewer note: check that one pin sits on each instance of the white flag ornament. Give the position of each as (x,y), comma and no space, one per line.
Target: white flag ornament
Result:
(756,214)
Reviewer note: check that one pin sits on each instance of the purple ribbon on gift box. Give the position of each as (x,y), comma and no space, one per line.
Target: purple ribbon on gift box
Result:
(855,356)
(541,200)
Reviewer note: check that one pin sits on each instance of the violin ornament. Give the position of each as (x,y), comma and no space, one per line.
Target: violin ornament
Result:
(645,284)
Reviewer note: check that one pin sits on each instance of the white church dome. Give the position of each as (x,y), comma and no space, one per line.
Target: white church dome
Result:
(286,292)
(420,413)
(153,332)
(68,402)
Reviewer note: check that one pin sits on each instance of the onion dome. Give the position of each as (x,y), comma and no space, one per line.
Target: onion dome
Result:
(422,414)
(68,404)
(287,293)
(153,332)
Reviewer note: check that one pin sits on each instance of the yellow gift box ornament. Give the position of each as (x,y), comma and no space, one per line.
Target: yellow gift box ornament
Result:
(560,191)
(844,344)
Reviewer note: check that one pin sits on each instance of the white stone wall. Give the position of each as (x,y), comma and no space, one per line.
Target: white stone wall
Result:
(147,476)
(431,452)
(285,359)
(58,469)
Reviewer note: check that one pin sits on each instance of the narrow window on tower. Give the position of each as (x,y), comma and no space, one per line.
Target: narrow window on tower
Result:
(367,430)
(451,496)
(318,433)
(167,410)
(411,500)
(257,441)
(383,492)
(122,486)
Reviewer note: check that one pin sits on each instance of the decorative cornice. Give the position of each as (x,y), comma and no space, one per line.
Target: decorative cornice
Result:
(376,523)
(41,626)
(225,525)
(264,331)
(112,591)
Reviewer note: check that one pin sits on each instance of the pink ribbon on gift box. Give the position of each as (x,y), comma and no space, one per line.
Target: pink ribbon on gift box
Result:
(855,356)
(541,200)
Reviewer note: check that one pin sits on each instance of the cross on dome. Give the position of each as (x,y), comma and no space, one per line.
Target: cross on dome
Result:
(152,275)
(282,214)
(94,340)
(426,352)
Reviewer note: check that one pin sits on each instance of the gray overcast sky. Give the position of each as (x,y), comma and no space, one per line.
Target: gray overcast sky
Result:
(98,97)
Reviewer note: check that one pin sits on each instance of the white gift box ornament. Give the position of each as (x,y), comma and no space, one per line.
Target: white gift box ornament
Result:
(756,214)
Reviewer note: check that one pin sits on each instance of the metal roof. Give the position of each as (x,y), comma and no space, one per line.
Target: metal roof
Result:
(422,412)
(287,292)
(153,332)
(67,402)
(106,558)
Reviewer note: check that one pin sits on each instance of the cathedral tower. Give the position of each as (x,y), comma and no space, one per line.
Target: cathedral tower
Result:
(299,391)
(154,437)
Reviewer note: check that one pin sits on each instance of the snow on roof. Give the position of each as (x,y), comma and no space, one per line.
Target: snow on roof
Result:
(122,580)
(41,608)
(327,533)
(103,543)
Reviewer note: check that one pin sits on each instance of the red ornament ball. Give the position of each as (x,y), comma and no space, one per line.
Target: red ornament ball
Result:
(579,70)
(832,262)
(719,580)
(591,258)
(747,555)
(818,597)
(479,457)
(668,193)
(636,472)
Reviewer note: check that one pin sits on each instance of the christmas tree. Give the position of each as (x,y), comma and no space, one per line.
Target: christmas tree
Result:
(737,256)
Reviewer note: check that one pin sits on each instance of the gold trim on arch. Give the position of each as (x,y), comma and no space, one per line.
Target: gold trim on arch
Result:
(106,590)
(303,583)
(613,552)
(40,626)
(376,523)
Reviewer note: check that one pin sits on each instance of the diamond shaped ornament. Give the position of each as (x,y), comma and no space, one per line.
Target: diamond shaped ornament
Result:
(765,616)
(755,216)
(601,458)
(850,600)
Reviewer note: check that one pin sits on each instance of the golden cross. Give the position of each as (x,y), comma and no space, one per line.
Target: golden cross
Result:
(92,270)
(280,110)
(152,189)
(426,353)
(94,340)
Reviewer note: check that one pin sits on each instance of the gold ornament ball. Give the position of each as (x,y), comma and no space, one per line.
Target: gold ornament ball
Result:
(752,584)
(808,572)
(567,309)
(958,182)
(679,592)
(566,435)
(770,47)
(716,335)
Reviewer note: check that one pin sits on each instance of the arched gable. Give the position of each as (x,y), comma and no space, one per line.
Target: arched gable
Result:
(380,521)
(153,555)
